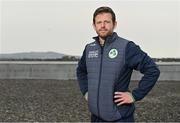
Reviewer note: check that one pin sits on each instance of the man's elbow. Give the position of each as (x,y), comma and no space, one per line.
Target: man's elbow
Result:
(156,72)
(153,73)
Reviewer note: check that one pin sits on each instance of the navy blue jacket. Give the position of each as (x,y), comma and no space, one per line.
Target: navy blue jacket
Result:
(135,59)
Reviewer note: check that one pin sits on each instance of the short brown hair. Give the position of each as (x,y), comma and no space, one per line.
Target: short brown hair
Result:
(104,9)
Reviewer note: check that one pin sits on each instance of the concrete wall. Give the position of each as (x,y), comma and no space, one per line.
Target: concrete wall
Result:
(37,70)
(66,70)
(169,72)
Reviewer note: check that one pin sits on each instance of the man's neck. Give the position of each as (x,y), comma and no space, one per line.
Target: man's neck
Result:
(101,41)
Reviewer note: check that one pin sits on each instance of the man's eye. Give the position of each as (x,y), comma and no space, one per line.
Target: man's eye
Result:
(107,21)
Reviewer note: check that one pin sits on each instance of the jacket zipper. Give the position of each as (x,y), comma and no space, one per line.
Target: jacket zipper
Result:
(102,50)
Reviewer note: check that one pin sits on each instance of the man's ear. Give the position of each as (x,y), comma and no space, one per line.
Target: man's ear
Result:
(115,24)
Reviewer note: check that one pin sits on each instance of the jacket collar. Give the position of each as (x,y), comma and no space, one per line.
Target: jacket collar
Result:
(109,39)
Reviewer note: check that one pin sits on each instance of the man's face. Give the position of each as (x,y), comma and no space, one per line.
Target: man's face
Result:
(104,25)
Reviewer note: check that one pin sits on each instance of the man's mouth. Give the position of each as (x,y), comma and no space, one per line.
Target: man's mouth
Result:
(102,30)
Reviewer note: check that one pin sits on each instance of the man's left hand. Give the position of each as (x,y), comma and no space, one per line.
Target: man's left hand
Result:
(123,98)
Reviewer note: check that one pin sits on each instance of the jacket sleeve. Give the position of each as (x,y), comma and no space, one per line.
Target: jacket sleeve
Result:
(81,72)
(139,60)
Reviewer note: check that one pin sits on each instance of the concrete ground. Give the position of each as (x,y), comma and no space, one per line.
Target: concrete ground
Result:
(55,100)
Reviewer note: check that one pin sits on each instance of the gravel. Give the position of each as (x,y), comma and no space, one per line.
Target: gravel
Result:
(61,101)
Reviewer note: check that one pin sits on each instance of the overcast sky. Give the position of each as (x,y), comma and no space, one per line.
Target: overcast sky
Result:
(66,26)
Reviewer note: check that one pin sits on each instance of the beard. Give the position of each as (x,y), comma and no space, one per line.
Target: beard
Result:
(103,33)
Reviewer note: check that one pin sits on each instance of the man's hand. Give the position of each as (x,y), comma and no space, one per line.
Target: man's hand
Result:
(123,98)
(86,96)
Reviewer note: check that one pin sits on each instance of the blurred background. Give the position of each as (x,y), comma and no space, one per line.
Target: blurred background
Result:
(41,42)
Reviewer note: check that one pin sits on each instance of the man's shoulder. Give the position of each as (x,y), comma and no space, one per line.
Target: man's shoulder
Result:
(123,39)
(92,44)
(123,42)
(130,43)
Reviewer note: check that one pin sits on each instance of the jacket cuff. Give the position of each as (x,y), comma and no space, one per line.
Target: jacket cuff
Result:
(132,97)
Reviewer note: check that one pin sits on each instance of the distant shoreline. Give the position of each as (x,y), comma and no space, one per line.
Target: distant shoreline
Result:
(67,62)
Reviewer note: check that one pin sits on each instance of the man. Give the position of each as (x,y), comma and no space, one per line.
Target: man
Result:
(105,69)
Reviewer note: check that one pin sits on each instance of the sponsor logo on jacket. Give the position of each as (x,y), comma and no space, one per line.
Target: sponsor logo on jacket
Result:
(93,54)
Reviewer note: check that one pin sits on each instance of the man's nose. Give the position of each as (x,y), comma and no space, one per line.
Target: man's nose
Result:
(103,25)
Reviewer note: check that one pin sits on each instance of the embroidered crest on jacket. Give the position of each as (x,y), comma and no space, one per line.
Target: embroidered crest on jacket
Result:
(113,53)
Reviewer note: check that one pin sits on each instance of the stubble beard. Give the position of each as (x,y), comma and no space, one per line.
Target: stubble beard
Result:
(103,36)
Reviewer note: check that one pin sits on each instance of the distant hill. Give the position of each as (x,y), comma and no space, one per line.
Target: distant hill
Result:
(166,59)
(36,56)
(54,56)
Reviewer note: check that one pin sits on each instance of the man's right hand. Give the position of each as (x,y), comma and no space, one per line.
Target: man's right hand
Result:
(86,96)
